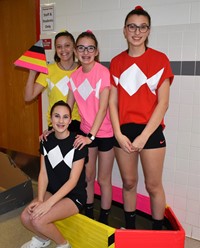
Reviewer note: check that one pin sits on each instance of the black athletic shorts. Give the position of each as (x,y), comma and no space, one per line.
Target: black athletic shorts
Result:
(79,200)
(132,130)
(103,144)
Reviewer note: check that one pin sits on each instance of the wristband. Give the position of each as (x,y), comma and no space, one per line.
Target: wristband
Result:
(90,136)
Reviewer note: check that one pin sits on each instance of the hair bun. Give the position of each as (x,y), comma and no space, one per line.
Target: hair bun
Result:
(89,31)
(138,8)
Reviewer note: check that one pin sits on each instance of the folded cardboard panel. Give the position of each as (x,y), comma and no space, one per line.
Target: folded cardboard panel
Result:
(15,187)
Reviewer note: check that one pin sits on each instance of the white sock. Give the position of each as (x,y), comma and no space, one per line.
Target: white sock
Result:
(63,246)
(41,239)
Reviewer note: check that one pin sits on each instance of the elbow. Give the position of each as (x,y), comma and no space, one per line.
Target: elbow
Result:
(28,98)
(165,106)
(104,112)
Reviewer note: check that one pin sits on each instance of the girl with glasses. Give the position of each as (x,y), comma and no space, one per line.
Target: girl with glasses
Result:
(139,98)
(90,87)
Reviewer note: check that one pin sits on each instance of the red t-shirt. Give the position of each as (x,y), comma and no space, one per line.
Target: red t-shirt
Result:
(137,80)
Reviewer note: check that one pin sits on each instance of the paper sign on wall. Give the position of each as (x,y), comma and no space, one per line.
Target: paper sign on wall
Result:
(47,17)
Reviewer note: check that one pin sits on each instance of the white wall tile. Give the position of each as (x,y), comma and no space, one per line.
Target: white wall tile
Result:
(94,5)
(183,151)
(195,153)
(181,178)
(194,181)
(192,219)
(194,167)
(195,233)
(180,190)
(180,213)
(193,207)
(182,165)
(188,229)
(193,194)
(195,10)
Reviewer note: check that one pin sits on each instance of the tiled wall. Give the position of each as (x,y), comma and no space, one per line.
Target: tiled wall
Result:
(176,32)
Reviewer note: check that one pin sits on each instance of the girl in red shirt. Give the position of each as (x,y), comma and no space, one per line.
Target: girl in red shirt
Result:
(139,98)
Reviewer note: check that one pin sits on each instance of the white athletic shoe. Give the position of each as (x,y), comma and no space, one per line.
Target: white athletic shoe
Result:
(36,243)
(64,246)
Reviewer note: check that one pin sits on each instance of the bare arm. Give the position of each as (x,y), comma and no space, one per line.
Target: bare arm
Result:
(103,106)
(114,115)
(42,180)
(70,99)
(123,141)
(157,116)
(32,89)
(42,186)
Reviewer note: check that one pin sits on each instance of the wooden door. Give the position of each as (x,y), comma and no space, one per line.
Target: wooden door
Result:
(19,122)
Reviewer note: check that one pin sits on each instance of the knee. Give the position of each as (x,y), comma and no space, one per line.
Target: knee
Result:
(90,178)
(104,181)
(23,218)
(153,187)
(37,224)
(130,184)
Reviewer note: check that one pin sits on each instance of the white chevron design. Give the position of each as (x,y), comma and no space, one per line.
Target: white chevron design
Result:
(154,80)
(85,89)
(98,86)
(133,78)
(61,85)
(69,158)
(55,156)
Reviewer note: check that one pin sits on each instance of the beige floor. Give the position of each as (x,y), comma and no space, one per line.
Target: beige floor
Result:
(13,234)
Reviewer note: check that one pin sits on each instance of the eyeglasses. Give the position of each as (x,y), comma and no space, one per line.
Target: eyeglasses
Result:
(133,27)
(82,48)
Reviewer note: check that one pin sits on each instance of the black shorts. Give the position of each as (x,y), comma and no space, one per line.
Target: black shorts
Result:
(79,200)
(74,126)
(103,144)
(132,130)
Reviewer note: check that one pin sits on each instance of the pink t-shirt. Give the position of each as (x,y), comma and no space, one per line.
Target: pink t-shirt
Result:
(86,88)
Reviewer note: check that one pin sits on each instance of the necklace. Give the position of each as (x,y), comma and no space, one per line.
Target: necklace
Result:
(66,69)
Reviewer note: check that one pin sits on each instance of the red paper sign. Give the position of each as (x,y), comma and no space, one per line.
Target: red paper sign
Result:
(47,43)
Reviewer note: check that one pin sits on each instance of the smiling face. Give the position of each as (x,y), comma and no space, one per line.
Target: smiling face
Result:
(64,48)
(60,119)
(86,51)
(137,38)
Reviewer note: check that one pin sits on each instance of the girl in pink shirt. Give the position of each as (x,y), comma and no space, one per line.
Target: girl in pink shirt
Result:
(90,87)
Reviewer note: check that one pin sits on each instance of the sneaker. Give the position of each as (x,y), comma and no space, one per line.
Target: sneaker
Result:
(64,246)
(36,243)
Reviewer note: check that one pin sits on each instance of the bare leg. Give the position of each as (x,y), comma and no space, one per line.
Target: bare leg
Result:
(44,226)
(91,174)
(105,165)
(129,172)
(152,162)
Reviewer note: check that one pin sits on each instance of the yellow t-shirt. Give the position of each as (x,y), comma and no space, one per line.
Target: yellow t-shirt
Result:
(56,82)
